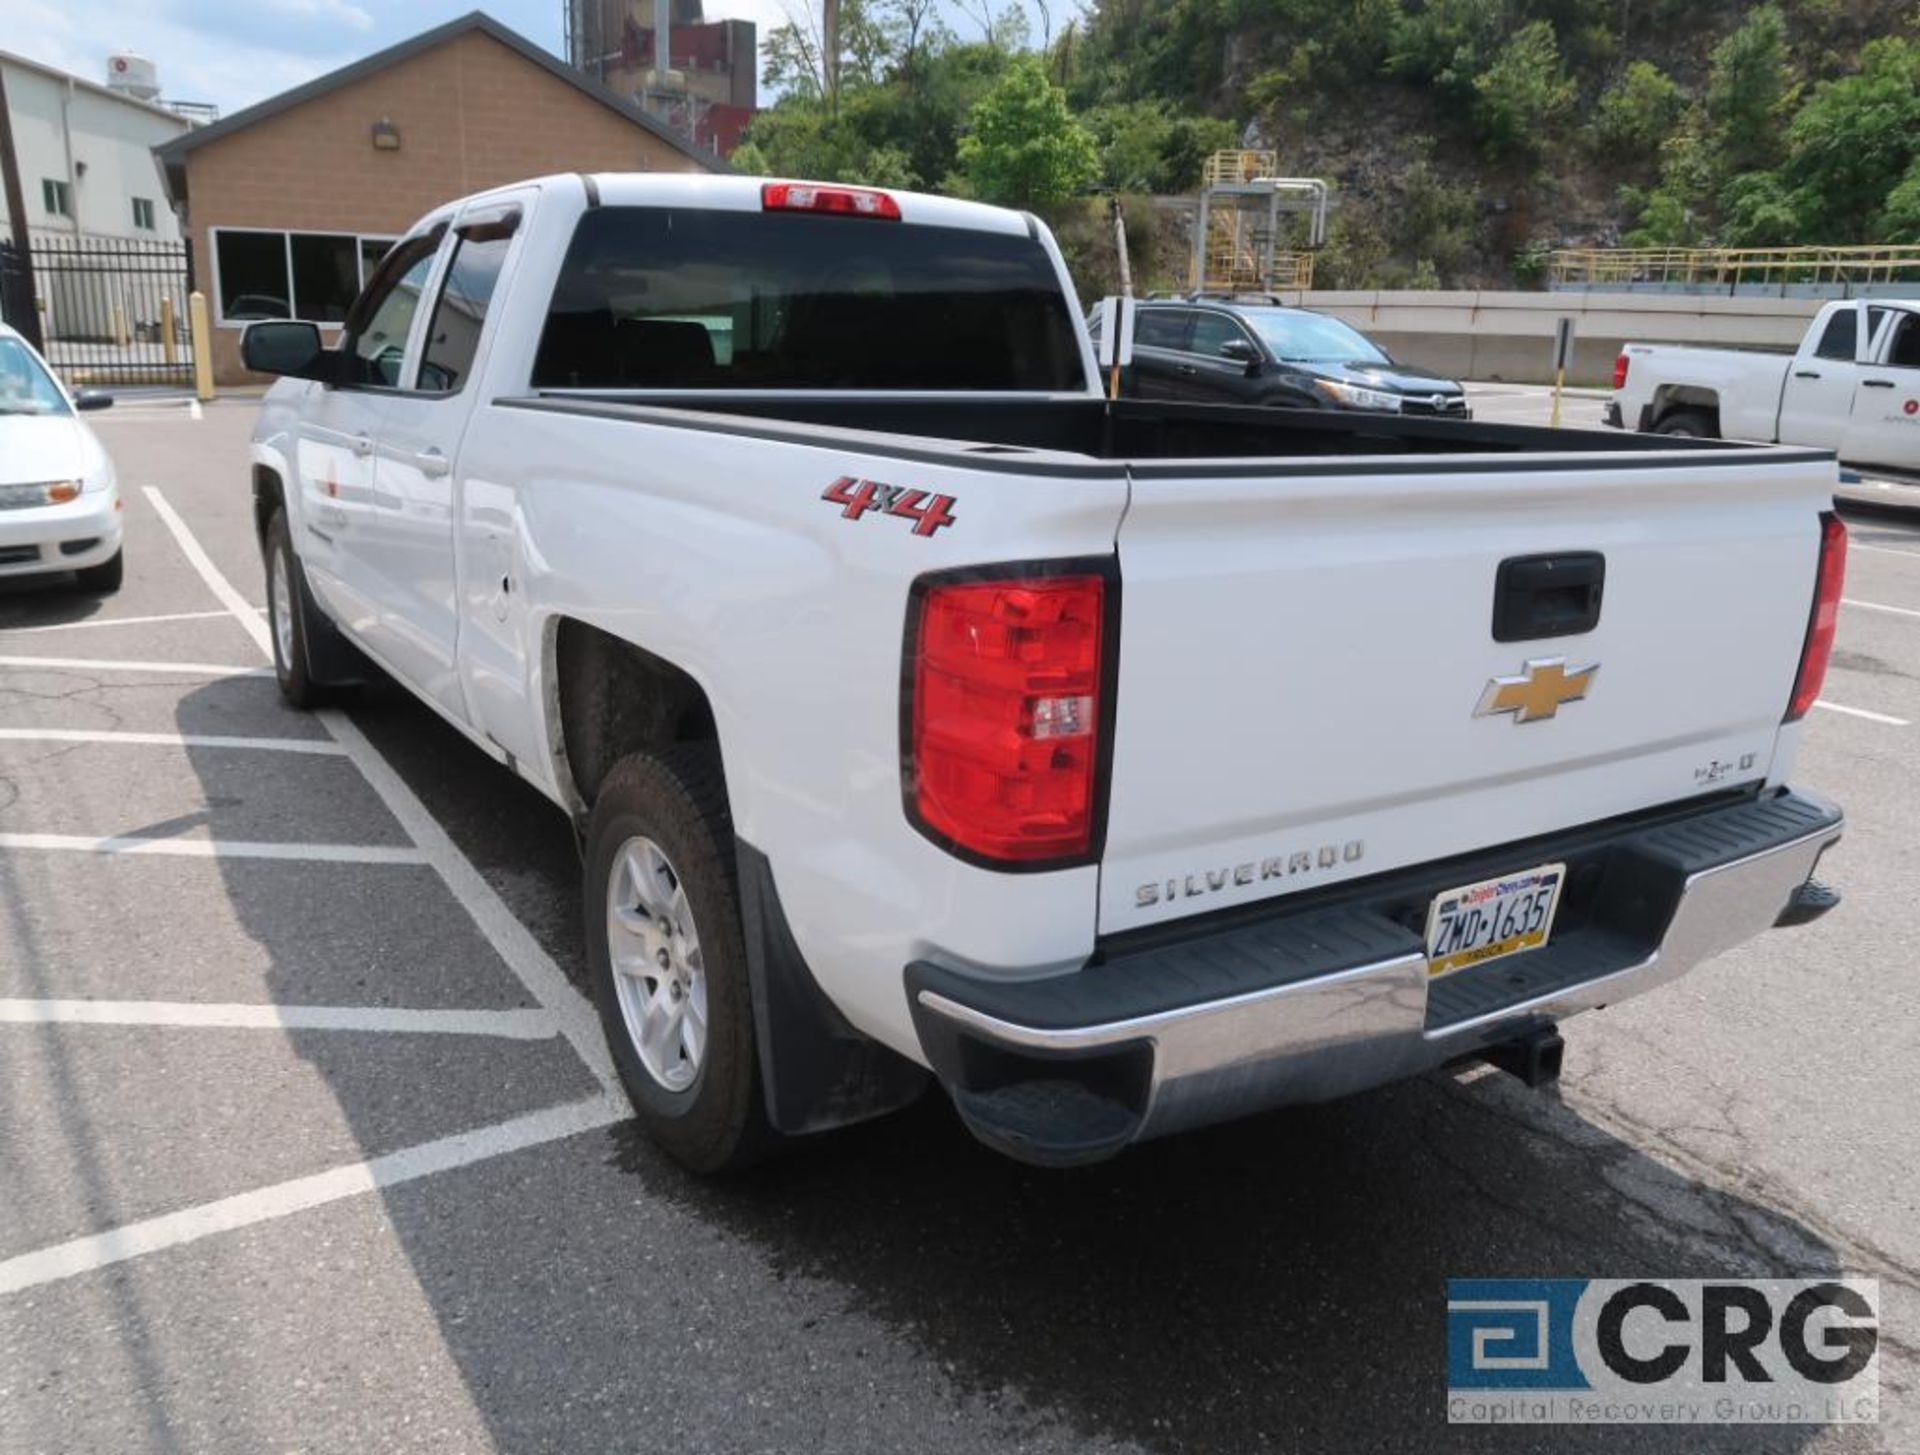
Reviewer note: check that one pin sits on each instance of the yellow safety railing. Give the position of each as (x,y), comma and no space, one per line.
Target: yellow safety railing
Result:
(1228,273)
(1226,169)
(1734,266)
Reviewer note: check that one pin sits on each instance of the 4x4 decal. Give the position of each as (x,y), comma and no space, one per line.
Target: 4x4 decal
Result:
(857,497)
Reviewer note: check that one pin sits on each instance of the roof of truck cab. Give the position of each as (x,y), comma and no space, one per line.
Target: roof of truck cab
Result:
(742,194)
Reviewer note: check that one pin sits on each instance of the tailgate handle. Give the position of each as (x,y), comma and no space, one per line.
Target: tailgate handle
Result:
(1548,596)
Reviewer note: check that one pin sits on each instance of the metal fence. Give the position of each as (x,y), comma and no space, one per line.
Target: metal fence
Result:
(1786,271)
(113,310)
(16,292)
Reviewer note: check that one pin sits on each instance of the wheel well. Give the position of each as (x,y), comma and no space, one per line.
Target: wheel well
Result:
(269,495)
(615,698)
(1672,398)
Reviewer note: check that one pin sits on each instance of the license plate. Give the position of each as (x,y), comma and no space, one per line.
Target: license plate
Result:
(1481,922)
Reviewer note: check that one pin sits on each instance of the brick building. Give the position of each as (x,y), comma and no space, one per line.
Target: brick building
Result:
(290,203)
(715,63)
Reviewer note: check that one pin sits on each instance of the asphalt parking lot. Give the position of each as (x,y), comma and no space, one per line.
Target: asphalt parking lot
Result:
(306,1141)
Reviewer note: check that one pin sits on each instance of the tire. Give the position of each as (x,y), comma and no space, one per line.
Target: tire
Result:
(705,1109)
(286,622)
(104,578)
(1690,424)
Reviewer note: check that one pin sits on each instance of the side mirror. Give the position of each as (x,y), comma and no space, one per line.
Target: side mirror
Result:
(285,347)
(1239,350)
(92,399)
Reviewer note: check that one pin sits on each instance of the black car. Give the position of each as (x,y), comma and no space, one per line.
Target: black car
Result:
(1215,352)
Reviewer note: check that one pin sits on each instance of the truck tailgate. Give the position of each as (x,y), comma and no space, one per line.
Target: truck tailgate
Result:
(1304,647)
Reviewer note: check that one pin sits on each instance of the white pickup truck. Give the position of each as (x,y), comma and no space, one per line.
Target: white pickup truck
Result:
(926,717)
(1853,387)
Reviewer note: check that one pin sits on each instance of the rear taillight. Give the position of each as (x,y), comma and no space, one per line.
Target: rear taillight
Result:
(812,197)
(1828,584)
(1620,367)
(1009,695)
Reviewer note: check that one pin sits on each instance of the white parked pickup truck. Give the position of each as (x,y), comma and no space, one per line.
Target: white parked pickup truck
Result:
(1853,387)
(926,717)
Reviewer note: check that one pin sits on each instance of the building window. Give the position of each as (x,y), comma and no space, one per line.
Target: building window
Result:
(143,213)
(56,197)
(312,276)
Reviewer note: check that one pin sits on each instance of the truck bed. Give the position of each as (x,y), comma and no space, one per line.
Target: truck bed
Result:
(1110,432)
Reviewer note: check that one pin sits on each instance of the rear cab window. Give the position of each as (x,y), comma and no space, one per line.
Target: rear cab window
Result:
(687,298)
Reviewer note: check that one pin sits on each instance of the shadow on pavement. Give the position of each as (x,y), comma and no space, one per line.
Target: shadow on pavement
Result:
(1279,1284)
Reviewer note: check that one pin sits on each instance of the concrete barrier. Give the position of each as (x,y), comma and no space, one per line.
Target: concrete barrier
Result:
(1509,336)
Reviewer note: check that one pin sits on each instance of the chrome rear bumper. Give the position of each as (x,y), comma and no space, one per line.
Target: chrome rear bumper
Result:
(1036,1074)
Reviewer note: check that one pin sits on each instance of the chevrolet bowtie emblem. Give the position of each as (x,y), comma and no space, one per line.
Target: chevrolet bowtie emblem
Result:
(1537,692)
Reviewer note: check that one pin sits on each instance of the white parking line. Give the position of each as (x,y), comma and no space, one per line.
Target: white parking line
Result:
(172,740)
(510,939)
(1880,717)
(212,849)
(569,1010)
(99,1250)
(512,1025)
(1876,606)
(175,669)
(74,626)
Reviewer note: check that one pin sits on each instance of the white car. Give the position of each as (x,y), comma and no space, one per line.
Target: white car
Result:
(1121,767)
(1853,387)
(59,504)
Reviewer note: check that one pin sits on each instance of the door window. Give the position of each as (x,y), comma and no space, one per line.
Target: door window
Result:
(453,333)
(1212,332)
(1903,348)
(1841,340)
(376,341)
(1160,328)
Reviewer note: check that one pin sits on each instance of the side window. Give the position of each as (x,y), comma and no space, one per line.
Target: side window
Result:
(1903,349)
(1159,328)
(453,333)
(1842,337)
(376,339)
(1212,332)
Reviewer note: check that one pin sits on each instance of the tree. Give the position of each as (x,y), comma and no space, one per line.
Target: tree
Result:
(1636,114)
(1449,42)
(1900,222)
(1856,141)
(1144,147)
(1525,95)
(799,138)
(1023,147)
(1749,89)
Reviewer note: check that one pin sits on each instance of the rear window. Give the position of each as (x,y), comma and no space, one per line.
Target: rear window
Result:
(671,298)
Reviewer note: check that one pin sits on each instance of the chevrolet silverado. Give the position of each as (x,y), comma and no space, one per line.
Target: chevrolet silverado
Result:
(927,718)
(1852,387)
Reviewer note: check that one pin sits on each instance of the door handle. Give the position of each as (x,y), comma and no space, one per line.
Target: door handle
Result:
(1186,368)
(1536,597)
(432,463)
(1806,374)
(1878,383)
(363,445)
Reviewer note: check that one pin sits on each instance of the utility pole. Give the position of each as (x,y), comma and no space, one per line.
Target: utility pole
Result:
(17,217)
(830,52)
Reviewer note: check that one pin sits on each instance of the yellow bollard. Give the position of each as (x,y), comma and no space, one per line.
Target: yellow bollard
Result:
(202,345)
(119,325)
(169,346)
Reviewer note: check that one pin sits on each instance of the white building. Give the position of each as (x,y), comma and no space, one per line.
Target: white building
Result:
(86,155)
